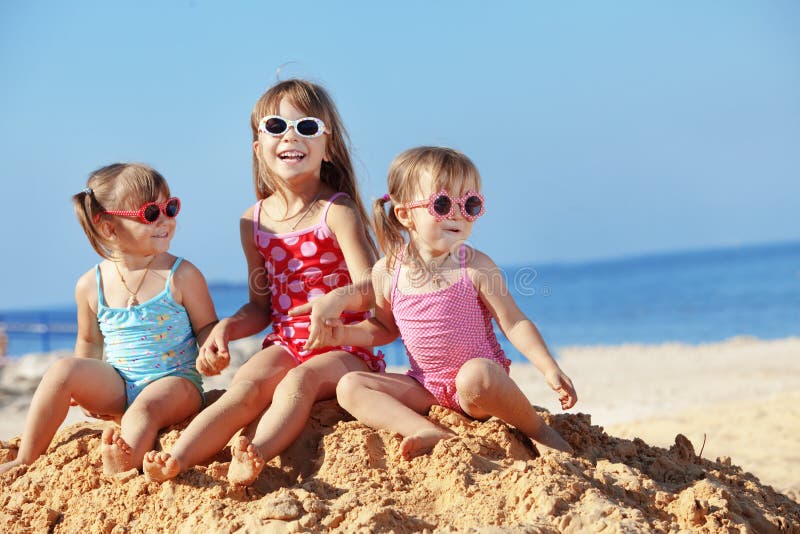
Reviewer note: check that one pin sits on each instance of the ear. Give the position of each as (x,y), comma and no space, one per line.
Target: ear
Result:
(107,229)
(255,147)
(403,215)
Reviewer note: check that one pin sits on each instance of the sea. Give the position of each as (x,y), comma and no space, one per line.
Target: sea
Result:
(691,297)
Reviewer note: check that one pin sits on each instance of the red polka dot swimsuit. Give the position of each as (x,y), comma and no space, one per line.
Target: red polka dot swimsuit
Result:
(442,330)
(302,266)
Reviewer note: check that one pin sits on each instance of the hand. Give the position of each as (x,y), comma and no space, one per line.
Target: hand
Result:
(561,384)
(93,415)
(325,324)
(214,356)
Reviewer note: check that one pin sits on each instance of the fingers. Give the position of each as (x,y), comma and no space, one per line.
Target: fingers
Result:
(211,362)
(303,309)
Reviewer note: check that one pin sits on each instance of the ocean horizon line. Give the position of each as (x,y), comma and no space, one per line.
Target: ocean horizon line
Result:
(643,257)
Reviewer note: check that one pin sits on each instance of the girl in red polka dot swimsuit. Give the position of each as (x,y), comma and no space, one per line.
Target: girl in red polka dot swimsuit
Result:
(306,235)
(441,296)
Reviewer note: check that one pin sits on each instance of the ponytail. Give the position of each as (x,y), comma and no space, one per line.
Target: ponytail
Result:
(388,230)
(87,209)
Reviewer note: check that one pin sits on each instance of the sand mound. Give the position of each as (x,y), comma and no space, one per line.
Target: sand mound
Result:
(343,476)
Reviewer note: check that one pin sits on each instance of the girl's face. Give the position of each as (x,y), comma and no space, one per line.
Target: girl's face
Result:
(130,236)
(431,237)
(290,156)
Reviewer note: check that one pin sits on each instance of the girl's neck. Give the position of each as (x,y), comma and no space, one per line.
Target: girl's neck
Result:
(131,262)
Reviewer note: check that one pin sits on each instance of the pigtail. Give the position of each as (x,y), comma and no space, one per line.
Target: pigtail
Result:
(388,230)
(87,210)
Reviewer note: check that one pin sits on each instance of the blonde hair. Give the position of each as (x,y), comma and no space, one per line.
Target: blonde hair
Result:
(450,169)
(119,186)
(337,171)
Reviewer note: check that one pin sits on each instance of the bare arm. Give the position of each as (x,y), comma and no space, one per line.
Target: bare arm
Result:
(520,330)
(379,329)
(89,341)
(191,291)
(251,318)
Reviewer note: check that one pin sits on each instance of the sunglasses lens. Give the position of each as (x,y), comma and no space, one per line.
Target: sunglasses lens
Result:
(172,208)
(275,125)
(307,127)
(151,213)
(442,205)
(473,206)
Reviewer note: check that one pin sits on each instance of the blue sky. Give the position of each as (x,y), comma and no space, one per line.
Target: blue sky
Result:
(601,129)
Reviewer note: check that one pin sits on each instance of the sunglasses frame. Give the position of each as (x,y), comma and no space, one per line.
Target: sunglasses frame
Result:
(454,201)
(162,208)
(262,126)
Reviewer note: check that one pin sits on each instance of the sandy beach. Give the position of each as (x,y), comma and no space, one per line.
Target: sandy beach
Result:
(737,401)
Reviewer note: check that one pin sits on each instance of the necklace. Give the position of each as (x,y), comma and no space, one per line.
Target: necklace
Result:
(303,216)
(435,271)
(310,205)
(132,300)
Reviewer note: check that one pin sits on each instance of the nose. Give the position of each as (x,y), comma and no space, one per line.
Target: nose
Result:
(290,133)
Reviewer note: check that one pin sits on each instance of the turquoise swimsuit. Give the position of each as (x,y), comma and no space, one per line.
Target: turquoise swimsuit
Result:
(148,341)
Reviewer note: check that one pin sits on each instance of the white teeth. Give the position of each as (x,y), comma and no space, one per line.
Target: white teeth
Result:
(291,155)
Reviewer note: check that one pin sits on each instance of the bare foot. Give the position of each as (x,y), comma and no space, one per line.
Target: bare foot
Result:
(8,466)
(246,462)
(160,466)
(115,451)
(422,442)
(547,440)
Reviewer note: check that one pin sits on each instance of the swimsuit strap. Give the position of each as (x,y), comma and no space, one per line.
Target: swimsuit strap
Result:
(399,260)
(462,258)
(256,220)
(330,203)
(100,298)
(172,271)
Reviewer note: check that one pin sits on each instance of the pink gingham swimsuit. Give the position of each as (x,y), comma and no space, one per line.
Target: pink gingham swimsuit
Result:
(442,330)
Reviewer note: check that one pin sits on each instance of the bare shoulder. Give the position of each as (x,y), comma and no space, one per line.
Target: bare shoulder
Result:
(187,272)
(482,270)
(86,289)
(343,210)
(249,213)
(382,277)
(87,283)
(478,261)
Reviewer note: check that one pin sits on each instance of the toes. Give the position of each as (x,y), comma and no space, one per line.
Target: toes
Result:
(108,435)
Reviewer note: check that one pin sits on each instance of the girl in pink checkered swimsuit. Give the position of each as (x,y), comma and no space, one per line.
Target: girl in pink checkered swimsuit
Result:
(440,296)
(442,330)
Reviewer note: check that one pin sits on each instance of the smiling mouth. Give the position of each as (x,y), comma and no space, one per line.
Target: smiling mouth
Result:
(291,155)
(165,234)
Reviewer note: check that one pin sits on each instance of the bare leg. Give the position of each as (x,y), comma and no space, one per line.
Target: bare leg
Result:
(485,389)
(288,414)
(94,384)
(251,390)
(393,402)
(166,401)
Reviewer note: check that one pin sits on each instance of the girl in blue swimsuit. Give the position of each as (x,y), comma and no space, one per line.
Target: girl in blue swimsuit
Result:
(141,307)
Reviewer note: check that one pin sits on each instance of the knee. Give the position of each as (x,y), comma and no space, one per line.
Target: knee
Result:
(477,378)
(149,408)
(299,381)
(251,394)
(60,373)
(348,387)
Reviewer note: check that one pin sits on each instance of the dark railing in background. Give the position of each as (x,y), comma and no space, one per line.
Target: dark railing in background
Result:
(39,332)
